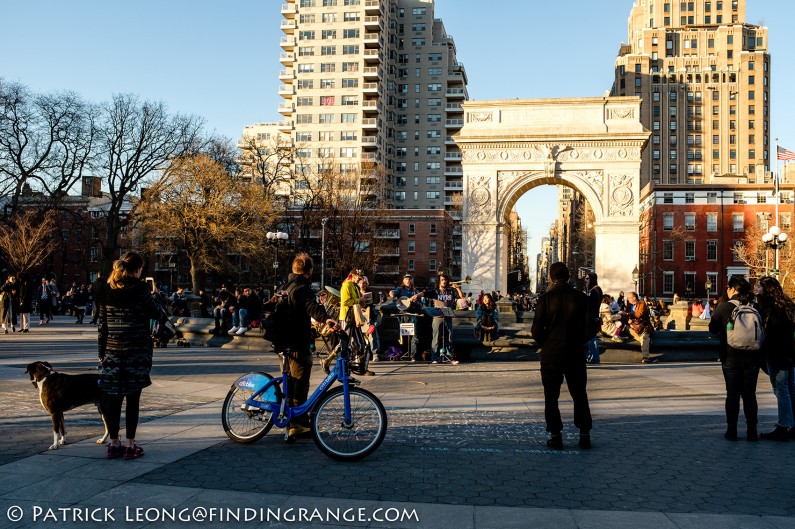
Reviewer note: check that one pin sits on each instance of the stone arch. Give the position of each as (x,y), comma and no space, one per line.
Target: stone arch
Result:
(592,145)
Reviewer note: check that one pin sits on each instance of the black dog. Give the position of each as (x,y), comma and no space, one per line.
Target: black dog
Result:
(59,392)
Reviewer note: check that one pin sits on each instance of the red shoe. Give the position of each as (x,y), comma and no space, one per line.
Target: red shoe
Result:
(115,452)
(133,452)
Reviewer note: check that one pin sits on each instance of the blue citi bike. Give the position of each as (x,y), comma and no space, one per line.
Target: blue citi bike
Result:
(347,422)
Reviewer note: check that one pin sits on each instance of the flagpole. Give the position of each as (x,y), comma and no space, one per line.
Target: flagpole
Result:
(776,185)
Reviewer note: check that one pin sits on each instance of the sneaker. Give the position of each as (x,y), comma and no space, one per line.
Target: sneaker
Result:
(649,361)
(454,362)
(434,361)
(133,452)
(297,431)
(780,433)
(369,373)
(616,339)
(115,452)
(41,322)
(241,331)
(233,330)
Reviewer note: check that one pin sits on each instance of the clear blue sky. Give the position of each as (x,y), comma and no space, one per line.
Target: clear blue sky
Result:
(219,59)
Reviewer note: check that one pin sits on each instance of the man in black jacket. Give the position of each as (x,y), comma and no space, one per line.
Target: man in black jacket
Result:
(296,347)
(561,327)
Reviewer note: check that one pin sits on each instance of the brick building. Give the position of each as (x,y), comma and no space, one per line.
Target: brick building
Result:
(690,234)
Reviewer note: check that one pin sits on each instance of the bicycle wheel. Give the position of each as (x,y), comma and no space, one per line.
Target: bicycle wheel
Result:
(242,425)
(349,442)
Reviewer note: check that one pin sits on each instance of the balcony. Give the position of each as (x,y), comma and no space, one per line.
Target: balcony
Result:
(286,91)
(370,88)
(453,123)
(387,234)
(369,157)
(286,109)
(287,75)
(388,252)
(371,73)
(287,59)
(287,43)
(372,7)
(448,140)
(455,170)
(455,93)
(289,10)
(456,185)
(453,156)
(372,39)
(388,270)
(289,26)
(372,22)
(453,107)
(370,123)
(285,126)
(370,141)
(373,55)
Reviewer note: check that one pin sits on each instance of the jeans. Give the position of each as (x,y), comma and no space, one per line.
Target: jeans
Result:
(593,350)
(741,383)
(240,318)
(645,341)
(783,381)
(576,379)
(442,337)
(221,316)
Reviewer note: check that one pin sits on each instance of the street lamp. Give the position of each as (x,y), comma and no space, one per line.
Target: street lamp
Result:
(708,286)
(635,277)
(774,238)
(275,237)
(323,222)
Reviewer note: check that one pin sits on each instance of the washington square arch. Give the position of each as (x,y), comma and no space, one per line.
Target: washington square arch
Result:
(512,146)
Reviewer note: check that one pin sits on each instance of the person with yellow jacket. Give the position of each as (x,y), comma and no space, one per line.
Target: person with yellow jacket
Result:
(350,304)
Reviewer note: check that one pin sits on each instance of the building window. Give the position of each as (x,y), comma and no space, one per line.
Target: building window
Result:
(712,222)
(433,228)
(668,198)
(689,198)
(412,229)
(690,250)
(737,245)
(668,250)
(712,250)
(411,265)
(690,283)
(668,282)
(785,221)
(690,221)
(712,198)
(712,277)
(412,246)
(432,247)
(738,222)
(668,221)
(432,265)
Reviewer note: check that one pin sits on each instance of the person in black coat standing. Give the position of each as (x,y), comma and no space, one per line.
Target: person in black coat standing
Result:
(740,368)
(298,337)
(561,328)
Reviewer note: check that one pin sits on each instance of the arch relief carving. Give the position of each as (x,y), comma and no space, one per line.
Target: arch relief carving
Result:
(479,196)
(621,197)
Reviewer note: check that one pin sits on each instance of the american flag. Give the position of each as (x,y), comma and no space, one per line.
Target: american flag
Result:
(784,154)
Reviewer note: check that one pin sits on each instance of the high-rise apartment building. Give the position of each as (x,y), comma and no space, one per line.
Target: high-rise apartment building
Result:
(375,84)
(704,76)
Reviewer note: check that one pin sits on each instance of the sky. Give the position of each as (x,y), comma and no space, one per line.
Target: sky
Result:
(219,59)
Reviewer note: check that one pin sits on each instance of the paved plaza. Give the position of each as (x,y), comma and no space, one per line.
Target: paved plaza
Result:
(465,449)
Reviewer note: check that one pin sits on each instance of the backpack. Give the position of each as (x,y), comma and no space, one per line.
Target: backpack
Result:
(275,320)
(744,330)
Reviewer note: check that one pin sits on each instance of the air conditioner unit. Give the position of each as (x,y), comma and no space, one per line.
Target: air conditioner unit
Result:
(690,258)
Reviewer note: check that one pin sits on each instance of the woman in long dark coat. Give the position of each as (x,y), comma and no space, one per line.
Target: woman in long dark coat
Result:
(126,304)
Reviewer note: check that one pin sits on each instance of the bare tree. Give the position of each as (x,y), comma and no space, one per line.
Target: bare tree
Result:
(46,143)
(137,142)
(201,210)
(26,240)
(760,260)
(267,162)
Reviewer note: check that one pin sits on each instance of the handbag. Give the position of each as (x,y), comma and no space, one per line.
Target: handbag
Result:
(637,326)
(358,315)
